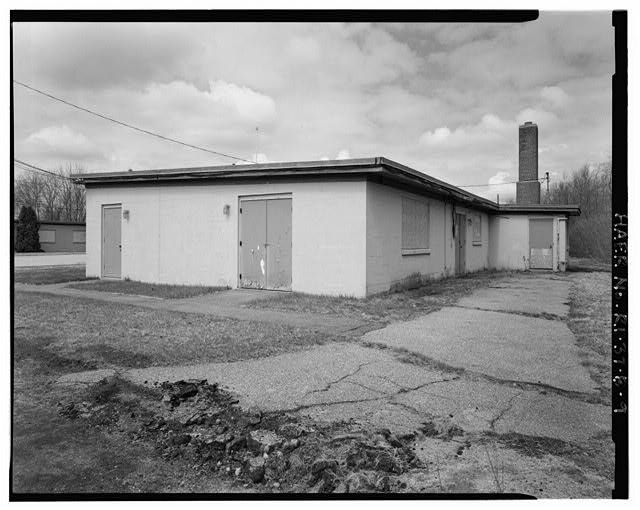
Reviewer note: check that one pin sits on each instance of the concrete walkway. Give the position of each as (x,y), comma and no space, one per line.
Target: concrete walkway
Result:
(221,304)
(499,345)
(481,371)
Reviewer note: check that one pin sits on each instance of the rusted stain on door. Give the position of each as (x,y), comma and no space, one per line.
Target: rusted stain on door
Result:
(265,244)
(253,229)
(541,243)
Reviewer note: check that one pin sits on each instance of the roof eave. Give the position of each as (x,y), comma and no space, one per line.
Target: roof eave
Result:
(569,209)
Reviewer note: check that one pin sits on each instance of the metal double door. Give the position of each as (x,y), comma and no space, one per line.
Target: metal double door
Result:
(265,243)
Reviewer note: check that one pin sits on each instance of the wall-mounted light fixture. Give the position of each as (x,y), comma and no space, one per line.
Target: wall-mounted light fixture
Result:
(125,214)
(226,210)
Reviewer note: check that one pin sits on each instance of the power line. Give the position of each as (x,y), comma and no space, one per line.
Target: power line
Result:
(130,126)
(33,168)
(498,183)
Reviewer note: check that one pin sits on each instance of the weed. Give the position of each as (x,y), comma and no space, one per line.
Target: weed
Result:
(496,465)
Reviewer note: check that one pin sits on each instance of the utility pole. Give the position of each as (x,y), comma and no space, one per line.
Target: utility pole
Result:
(546,176)
(257,143)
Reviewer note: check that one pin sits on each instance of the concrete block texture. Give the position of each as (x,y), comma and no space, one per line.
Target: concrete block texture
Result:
(528,152)
(528,192)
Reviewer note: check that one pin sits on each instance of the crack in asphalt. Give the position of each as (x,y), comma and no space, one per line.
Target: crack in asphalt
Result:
(340,379)
(356,383)
(589,398)
(533,315)
(424,385)
(302,407)
(505,410)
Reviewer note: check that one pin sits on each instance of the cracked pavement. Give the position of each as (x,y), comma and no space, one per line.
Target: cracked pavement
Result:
(489,365)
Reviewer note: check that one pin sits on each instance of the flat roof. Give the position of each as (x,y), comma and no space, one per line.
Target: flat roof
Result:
(57,222)
(378,168)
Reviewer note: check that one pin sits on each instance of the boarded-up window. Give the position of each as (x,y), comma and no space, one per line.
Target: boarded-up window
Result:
(79,236)
(415,224)
(477,229)
(47,236)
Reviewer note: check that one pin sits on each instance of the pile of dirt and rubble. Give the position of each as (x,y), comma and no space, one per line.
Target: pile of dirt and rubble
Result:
(204,425)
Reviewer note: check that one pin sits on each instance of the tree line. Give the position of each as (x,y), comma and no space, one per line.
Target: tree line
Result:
(52,197)
(590,188)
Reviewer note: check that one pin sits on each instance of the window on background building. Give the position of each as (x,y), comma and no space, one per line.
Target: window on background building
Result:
(477,229)
(79,236)
(47,236)
(415,226)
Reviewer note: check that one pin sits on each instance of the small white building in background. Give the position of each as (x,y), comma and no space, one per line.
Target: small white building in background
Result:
(347,227)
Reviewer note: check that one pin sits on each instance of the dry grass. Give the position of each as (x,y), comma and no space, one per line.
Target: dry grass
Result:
(55,335)
(590,322)
(579,265)
(48,275)
(390,306)
(112,334)
(147,289)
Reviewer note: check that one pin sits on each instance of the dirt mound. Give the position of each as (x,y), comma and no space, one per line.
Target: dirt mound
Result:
(199,422)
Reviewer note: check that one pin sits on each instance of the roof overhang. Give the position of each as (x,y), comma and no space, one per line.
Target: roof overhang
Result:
(545,209)
(379,169)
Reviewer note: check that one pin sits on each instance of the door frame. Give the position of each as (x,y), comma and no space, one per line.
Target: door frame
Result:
(263,196)
(109,206)
(554,243)
(460,265)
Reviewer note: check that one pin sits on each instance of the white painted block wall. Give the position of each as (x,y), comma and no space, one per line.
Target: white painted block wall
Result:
(509,235)
(386,265)
(178,234)
(477,255)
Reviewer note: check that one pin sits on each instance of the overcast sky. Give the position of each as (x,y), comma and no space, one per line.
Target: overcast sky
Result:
(445,99)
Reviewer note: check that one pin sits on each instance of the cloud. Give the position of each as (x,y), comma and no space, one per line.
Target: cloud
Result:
(343,154)
(489,129)
(246,102)
(445,99)
(62,142)
(100,55)
(543,118)
(305,48)
(555,96)
(501,184)
(436,137)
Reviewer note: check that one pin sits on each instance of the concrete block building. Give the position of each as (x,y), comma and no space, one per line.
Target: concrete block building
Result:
(347,227)
(59,236)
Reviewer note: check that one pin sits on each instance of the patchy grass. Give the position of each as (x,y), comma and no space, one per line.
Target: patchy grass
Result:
(147,289)
(597,456)
(53,454)
(389,306)
(55,335)
(580,265)
(113,334)
(48,275)
(590,322)
(103,438)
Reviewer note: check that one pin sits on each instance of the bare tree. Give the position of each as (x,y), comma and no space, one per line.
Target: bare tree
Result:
(590,188)
(53,197)
(28,192)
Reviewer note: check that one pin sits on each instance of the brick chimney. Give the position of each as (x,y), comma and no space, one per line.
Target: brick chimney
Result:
(528,186)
